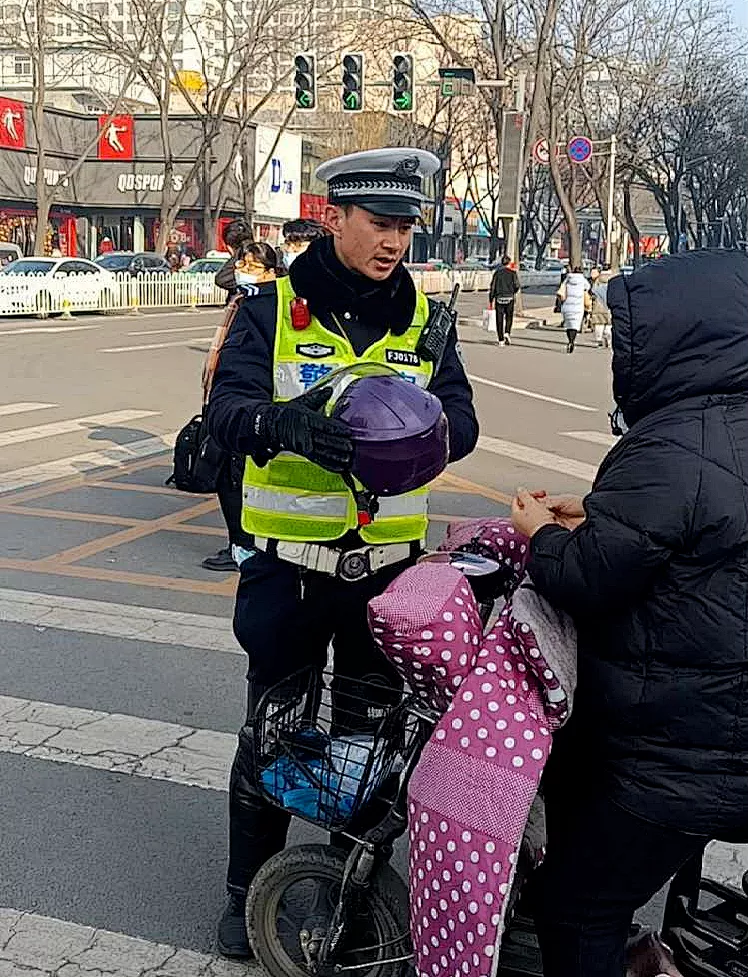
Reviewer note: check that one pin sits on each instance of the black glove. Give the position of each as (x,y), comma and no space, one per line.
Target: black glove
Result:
(299,427)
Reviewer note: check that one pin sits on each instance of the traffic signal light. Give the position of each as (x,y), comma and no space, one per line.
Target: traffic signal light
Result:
(403,82)
(353,82)
(305,85)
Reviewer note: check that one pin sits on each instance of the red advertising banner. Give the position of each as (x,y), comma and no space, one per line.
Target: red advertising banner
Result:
(12,124)
(116,137)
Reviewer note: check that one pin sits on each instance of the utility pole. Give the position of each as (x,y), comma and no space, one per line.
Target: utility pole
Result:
(610,207)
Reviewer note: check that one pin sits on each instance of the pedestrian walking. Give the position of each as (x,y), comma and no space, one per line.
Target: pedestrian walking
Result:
(600,315)
(652,566)
(505,285)
(347,300)
(574,296)
(255,265)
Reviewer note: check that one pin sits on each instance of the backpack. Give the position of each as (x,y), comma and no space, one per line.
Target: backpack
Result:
(197,459)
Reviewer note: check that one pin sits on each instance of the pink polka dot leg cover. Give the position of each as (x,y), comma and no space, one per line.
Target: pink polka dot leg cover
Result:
(470,794)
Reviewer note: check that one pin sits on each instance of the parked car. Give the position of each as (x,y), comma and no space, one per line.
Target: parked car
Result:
(40,286)
(205,288)
(133,262)
(9,252)
(554,264)
(626,269)
(204,266)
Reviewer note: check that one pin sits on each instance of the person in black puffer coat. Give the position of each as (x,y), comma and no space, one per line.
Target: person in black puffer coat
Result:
(652,565)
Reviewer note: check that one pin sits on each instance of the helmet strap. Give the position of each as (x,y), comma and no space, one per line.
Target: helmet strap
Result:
(367,505)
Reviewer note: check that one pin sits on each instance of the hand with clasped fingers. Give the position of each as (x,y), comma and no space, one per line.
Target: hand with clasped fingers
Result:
(532,510)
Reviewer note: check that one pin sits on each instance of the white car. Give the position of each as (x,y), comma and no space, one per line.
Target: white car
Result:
(47,286)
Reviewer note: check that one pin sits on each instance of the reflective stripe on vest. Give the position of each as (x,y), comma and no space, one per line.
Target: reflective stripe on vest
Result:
(293,499)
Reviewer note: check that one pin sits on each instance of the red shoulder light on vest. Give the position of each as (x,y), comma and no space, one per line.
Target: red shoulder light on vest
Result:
(300,315)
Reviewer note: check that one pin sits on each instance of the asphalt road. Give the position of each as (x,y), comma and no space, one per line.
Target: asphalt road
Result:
(121,684)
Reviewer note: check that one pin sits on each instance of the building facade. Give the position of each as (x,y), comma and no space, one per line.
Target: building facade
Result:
(107,177)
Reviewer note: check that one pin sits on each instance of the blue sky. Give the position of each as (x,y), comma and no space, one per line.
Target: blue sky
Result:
(738,10)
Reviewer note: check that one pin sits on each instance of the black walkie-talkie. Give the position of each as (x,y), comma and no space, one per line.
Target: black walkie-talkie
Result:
(434,335)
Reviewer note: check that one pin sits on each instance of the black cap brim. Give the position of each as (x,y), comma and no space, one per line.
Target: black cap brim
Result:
(389,206)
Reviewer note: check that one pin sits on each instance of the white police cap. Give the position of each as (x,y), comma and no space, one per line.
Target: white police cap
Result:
(387,182)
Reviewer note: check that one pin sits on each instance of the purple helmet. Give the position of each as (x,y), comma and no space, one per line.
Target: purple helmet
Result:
(398,429)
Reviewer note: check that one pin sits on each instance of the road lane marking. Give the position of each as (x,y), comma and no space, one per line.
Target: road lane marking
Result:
(113,457)
(21,408)
(116,742)
(44,946)
(22,435)
(531,393)
(43,329)
(135,349)
(594,437)
(538,458)
(156,332)
(206,631)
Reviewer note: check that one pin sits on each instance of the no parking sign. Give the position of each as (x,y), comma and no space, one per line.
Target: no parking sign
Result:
(579,149)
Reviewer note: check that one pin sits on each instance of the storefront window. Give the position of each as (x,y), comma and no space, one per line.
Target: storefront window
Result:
(19,227)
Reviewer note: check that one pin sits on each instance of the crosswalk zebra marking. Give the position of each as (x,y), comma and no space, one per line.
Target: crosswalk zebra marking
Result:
(116,742)
(42,946)
(538,458)
(177,342)
(23,435)
(593,437)
(204,631)
(113,457)
(534,395)
(21,408)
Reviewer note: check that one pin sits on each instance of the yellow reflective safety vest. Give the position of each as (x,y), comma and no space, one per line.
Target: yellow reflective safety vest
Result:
(291,498)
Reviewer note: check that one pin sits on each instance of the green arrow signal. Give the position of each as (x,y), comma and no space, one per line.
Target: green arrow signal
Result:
(304,99)
(351,100)
(403,101)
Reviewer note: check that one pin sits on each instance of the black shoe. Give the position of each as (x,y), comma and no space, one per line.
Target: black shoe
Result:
(223,560)
(232,930)
(570,347)
(507,340)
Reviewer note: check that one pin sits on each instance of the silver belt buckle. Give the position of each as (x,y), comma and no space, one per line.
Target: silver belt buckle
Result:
(354,565)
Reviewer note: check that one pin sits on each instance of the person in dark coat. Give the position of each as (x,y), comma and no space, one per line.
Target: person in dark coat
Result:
(505,285)
(652,565)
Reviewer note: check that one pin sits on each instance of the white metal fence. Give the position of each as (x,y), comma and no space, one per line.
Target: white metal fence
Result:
(45,295)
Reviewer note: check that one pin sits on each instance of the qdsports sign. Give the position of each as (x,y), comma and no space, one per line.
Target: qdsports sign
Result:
(147,182)
(12,124)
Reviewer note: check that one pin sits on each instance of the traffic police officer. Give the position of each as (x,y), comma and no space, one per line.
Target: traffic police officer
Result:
(347,299)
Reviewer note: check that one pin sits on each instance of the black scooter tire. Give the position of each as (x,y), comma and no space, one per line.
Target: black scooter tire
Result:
(386,901)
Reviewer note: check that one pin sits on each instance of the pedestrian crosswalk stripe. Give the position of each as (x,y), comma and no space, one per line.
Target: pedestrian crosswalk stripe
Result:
(42,946)
(117,743)
(538,458)
(81,464)
(205,631)
(594,437)
(158,332)
(22,435)
(177,342)
(530,393)
(21,408)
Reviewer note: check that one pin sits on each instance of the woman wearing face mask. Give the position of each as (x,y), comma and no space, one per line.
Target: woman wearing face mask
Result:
(256,263)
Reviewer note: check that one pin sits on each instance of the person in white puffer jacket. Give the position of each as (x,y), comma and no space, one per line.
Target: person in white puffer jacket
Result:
(573,291)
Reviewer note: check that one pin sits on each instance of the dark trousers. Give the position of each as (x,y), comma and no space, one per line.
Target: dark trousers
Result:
(229,491)
(505,311)
(285,618)
(602,864)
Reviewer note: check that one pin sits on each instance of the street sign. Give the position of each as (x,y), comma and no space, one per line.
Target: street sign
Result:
(579,149)
(541,151)
(457,81)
